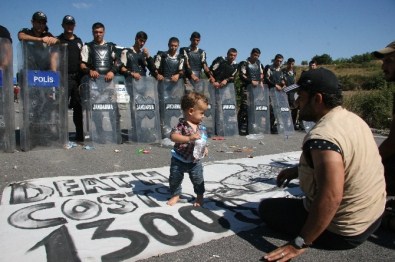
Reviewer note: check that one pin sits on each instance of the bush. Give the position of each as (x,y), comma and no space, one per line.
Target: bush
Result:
(349,82)
(375,107)
(374,82)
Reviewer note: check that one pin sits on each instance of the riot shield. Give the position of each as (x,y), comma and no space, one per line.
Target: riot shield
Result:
(203,87)
(282,112)
(225,110)
(123,101)
(170,94)
(101,111)
(43,81)
(258,109)
(7,110)
(122,94)
(144,104)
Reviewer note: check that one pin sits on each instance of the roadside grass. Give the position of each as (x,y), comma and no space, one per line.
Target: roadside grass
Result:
(374,106)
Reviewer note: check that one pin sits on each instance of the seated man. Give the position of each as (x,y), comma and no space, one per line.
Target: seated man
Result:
(340,172)
(387,148)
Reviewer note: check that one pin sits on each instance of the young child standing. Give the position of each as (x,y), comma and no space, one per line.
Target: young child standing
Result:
(184,135)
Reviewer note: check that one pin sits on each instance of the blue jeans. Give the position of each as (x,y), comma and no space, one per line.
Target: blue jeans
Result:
(177,170)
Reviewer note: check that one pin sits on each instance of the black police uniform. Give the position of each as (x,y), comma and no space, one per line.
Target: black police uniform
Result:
(74,79)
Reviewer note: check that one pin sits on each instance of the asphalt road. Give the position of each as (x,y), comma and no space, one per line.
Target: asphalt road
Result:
(245,246)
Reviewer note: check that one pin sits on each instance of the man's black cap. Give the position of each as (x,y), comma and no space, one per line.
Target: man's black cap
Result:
(320,80)
(68,19)
(39,16)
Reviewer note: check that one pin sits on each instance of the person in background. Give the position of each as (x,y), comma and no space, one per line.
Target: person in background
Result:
(4,33)
(339,171)
(16,93)
(39,31)
(274,78)
(223,71)
(136,59)
(250,73)
(290,79)
(185,135)
(98,58)
(194,60)
(6,58)
(387,147)
(169,64)
(74,46)
(312,65)
(38,59)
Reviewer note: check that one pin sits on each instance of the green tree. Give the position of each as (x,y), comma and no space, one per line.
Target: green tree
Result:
(323,59)
(366,57)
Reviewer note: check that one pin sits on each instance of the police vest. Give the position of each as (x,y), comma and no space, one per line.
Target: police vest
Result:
(169,65)
(135,62)
(276,76)
(254,71)
(195,59)
(289,77)
(100,57)
(224,70)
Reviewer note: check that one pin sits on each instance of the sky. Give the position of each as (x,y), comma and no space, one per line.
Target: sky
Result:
(294,28)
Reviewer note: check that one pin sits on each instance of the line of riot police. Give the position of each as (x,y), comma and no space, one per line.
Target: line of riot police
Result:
(115,100)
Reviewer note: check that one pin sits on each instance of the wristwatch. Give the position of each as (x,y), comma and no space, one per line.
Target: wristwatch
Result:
(299,243)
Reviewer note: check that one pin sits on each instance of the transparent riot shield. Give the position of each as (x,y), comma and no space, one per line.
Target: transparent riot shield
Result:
(101,111)
(258,110)
(144,104)
(122,94)
(203,87)
(43,81)
(7,111)
(225,111)
(123,101)
(282,112)
(170,94)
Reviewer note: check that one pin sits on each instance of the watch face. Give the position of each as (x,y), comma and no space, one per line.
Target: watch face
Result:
(299,242)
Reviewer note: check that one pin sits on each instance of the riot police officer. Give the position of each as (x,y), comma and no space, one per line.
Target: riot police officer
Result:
(222,72)
(136,59)
(169,64)
(98,58)
(250,73)
(195,60)
(274,78)
(39,37)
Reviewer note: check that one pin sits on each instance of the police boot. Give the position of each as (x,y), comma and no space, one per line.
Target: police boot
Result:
(243,124)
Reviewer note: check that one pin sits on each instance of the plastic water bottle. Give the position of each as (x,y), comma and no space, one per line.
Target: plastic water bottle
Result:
(200,144)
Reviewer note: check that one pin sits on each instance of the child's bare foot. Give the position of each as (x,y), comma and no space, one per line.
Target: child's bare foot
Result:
(172,201)
(199,201)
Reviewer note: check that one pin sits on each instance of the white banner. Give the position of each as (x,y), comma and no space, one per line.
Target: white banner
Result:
(123,216)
